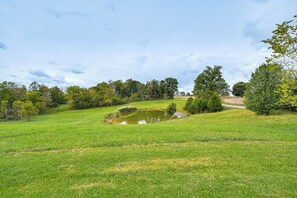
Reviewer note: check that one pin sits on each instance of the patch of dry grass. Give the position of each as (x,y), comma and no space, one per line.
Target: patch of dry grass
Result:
(159,164)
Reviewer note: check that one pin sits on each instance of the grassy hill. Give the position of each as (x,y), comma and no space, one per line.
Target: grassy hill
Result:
(72,153)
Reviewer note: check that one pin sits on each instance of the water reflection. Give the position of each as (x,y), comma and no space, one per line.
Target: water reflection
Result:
(144,117)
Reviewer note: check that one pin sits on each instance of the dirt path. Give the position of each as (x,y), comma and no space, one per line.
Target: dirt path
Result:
(234,106)
(237,101)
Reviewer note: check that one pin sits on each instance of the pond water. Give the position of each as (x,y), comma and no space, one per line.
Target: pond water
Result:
(144,117)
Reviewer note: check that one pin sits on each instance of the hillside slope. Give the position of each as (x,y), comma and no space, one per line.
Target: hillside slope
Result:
(72,153)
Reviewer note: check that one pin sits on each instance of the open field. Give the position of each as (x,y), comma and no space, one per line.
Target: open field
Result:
(233,100)
(72,153)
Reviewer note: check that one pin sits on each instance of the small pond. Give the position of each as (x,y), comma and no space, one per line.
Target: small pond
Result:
(143,117)
(132,115)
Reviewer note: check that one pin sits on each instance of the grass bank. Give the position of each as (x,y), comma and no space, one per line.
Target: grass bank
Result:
(72,153)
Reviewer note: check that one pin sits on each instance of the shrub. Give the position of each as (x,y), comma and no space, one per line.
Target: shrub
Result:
(40,106)
(127,109)
(108,118)
(28,110)
(214,104)
(171,109)
(199,105)
(188,103)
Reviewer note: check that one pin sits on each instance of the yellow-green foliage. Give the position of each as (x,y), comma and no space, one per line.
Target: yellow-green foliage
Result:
(288,90)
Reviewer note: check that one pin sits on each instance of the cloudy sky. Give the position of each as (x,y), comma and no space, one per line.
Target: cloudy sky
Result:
(83,42)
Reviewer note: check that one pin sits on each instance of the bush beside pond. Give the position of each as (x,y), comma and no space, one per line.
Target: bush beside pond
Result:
(171,109)
(127,109)
(203,105)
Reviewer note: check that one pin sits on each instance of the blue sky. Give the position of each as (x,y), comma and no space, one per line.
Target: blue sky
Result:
(83,42)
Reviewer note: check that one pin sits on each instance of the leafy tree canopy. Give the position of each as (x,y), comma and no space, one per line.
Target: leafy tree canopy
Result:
(239,88)
(284,44)
(210,81)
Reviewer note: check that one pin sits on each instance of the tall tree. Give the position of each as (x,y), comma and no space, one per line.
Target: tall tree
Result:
(118,88)
(284,46)
(34,86)
(210,81)
(171,86)
(288,90)
(28,110)
(152,88)
(238,89)
(106,94)
(57,96)
(11,92)
(78,98)
(260,95)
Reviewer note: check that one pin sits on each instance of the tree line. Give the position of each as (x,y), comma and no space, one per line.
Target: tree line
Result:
(18,101)
(119,92)
(272,86)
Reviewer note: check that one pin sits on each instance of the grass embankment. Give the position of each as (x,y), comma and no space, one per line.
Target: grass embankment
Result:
(72,153)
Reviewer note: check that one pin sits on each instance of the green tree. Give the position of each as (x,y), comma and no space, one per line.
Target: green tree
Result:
(40,107)
(171,86)
(17,109)
(131,87)
(34,96)
(284,46)
(210,81)
(188,103)
(34,86)
(5,110)
(288,90)
(28,110)
(214,104)
(57,96)
(152,89)
(11,92)
(171,109)
(118,88)
(238,89)
(45,92)
(260,95)
(78,98)
(106,94)
(199,105)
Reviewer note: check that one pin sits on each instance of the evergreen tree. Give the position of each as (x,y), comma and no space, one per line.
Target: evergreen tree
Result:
(260,95)
(199,105)
(188,103)
(214,104)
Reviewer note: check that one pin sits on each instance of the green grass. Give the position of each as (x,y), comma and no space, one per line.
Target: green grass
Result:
(233,153)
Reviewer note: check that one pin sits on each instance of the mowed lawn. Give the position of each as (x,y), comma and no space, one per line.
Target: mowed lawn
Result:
(233,153)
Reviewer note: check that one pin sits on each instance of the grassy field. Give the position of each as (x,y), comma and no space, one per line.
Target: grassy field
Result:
(233,153)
